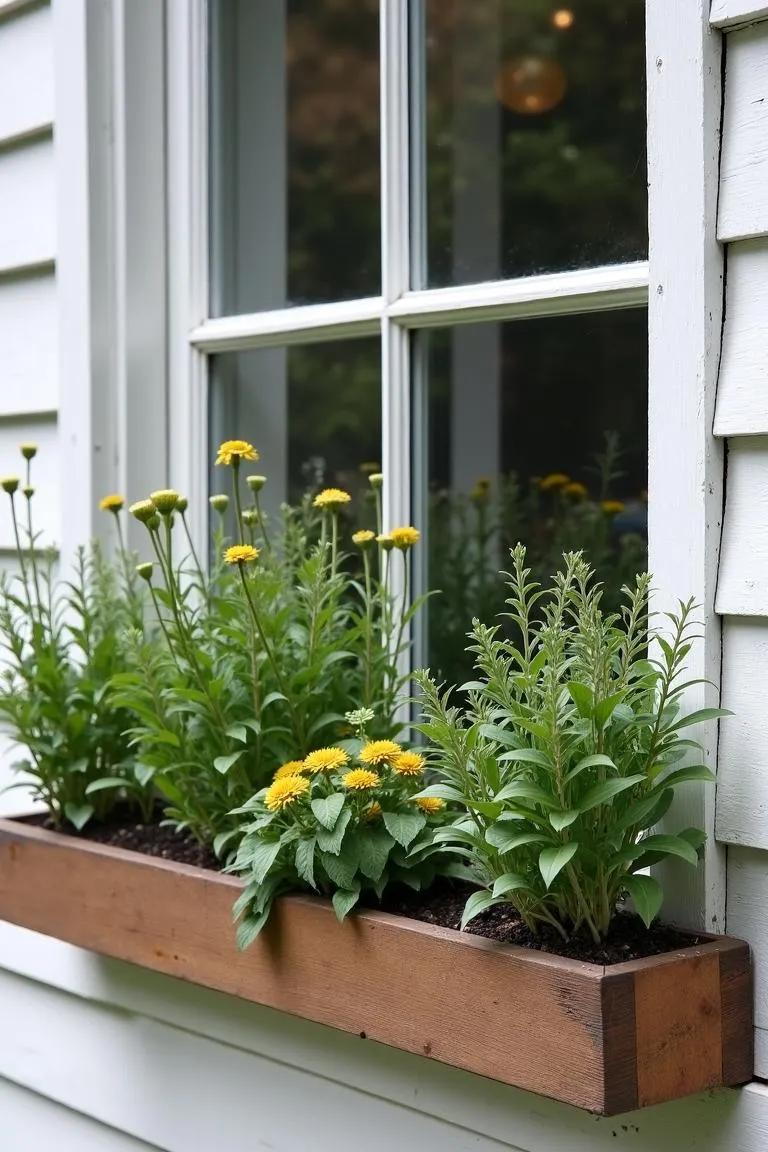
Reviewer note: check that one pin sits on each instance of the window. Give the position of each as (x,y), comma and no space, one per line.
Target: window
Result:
(427,242)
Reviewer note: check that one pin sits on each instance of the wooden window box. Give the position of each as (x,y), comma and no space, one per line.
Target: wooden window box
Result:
(604,1039)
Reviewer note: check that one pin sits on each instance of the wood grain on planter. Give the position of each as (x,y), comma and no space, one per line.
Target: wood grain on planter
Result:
(608,1040)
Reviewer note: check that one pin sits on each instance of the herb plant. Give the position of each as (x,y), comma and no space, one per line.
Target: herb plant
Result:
(563,757)
(62,643)
(261,657)
(339,824)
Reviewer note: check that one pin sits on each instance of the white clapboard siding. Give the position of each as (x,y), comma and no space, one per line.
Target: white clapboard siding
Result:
(731,13)
(46,479)
(30,1123)
(742,770)
(742,585)
(28,344)
(26,73)
(28,199)
(742,391)
(147,1023)
(746,919)
(743,209)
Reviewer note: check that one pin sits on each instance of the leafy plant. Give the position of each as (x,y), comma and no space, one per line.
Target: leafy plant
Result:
(340,824)
(262,656)
(63,641)
(563,758)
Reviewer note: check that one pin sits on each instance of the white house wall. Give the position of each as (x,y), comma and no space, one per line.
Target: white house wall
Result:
(742,417)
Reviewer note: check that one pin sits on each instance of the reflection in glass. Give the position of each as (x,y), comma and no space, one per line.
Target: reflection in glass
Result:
(533,136)
(294,152)
(313,411)
(535,430)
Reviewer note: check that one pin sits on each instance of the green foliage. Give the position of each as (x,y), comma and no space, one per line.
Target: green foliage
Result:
(339,825)
(62,644)
(261,658)
(563,757)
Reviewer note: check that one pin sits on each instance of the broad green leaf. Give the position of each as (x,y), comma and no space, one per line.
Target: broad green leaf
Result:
(442,792)
(507,839)
(238,732)
(605,791)
(553,860)
(505,736)
(699,717)
(373,848)
(404,826)
(669,846)
(270,698)
(323,722)
(647,897)
(648,811)
(560,820)
(341,869)
(525,790)
(582,697)
(477,903)
(249,928)
(305,860)
(105,783)
(598,760)
(222,839)
(682,775)
(332,841)
(605,709)
(224,763)
(327,809)
(78,814)
(509,882)
(528,756)
(344,900)
(485,808)
(143,773)
(262,857)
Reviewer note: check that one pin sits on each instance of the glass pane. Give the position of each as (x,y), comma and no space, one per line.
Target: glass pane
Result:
(313,411)
(294,152)
(534,430)
(534,124)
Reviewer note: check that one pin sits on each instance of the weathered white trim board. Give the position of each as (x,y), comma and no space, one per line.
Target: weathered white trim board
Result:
(742,772)
(30,1122)
(26,74)
(743,207)
(27,194)
(29,343)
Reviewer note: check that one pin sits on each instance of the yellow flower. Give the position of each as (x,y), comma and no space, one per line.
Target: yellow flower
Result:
(372,812)
(481,491)
(165,500)
(408,764)
(143,510)
(241,554)
(292,768)
(360,778)
(578,491)
(233,451)
(612,507)
(405,538)
(111,503)
(429,805)
(554,480)
(332,498)
(285,791)
(380,752)
(376,480)
(28,451)
(365,536)
(9,484)
(386,542)
(326,760)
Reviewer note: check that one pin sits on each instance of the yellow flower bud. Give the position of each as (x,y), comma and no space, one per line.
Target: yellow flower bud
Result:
(255,483)
(28,491)
(165,500)
(112,503)
(363,538)
(181,505)
(386,542)
(219,503)
(28,451)
(376,480)
(154,522)
(10,484)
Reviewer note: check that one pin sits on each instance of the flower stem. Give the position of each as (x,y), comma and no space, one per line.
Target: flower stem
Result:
(236,494)
(262,523)
(368,628)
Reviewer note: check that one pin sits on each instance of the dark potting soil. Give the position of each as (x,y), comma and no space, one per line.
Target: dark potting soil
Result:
(441,905)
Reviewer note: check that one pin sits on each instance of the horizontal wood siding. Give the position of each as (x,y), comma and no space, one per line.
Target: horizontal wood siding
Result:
(742,393)
(30,1123)
(733,13)
(747,873)
(28,197)
(743,209)
(742,778)
(29,343)
(26,74)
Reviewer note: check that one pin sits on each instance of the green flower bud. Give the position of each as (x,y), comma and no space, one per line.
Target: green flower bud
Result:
(165,500)
(28,451)
(376,480)
(219,503)
(255,483)
(145,571)
(10,484)
(143,510)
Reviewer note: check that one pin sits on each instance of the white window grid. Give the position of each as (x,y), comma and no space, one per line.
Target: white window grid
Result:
(682,284)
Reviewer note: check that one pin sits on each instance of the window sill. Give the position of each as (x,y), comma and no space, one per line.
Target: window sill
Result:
(605,1040)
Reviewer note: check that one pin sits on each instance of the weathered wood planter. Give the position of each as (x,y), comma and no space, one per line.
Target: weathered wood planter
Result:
(604,1039)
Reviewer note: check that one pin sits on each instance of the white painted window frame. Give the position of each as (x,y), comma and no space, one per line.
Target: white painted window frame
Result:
(684,273)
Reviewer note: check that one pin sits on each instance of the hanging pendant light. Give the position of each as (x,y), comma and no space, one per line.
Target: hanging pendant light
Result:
(531,85)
